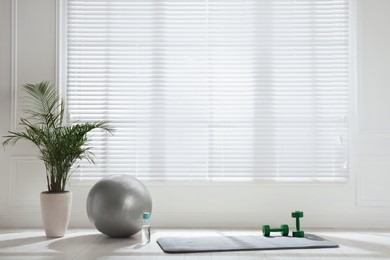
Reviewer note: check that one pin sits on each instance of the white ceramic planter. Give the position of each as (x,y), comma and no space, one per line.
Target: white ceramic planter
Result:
(55,209)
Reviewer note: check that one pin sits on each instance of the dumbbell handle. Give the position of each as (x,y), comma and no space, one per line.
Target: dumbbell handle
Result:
(275,229)
(297,224)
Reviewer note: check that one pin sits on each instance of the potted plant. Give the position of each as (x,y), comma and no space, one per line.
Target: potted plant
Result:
(60,145)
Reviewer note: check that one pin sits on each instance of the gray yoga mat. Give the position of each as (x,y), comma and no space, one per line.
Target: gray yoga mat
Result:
(240,243)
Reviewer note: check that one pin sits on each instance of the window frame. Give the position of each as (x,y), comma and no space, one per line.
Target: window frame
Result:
(61,75)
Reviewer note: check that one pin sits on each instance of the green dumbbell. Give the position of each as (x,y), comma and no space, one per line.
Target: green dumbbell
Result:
(298,232)
(283,230)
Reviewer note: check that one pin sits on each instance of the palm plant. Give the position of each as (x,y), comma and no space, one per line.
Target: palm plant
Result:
(60,145)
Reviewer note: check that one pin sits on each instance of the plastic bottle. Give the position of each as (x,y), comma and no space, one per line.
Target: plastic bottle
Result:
(146,228)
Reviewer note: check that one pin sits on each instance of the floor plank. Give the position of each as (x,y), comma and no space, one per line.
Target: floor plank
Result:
(90,244)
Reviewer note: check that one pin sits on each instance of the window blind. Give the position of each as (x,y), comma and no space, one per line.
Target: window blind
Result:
(209,89)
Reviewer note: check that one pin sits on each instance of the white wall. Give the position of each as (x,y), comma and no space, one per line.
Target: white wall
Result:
(364,201)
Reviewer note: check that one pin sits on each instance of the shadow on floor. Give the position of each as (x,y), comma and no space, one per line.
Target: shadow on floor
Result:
(27,239)
(95,245)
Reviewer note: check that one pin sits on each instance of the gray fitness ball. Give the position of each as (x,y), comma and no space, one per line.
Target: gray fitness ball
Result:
(116,203)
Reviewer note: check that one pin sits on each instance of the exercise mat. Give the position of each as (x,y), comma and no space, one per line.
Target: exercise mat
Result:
(240,243)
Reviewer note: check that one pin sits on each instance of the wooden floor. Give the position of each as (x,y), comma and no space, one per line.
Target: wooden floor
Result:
(90,244)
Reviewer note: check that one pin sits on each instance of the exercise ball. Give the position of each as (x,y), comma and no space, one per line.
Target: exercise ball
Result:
(116,203)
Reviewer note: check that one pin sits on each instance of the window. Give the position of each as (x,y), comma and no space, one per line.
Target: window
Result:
(210,89)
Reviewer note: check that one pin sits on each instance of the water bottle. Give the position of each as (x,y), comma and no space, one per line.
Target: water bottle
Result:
(146,228)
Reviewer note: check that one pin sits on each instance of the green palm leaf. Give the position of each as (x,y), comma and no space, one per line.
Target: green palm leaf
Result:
(59,146)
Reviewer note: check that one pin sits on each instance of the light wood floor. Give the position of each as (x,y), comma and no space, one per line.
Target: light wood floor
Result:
(90,244)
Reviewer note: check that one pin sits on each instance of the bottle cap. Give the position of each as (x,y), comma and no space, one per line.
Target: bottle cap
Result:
(146,215)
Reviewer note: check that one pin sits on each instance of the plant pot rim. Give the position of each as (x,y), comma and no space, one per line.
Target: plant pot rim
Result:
(51,192)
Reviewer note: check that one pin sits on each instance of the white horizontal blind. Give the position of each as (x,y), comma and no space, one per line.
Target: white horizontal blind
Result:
(212,89)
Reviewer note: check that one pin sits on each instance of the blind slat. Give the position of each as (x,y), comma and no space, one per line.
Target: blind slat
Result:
(212,89)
